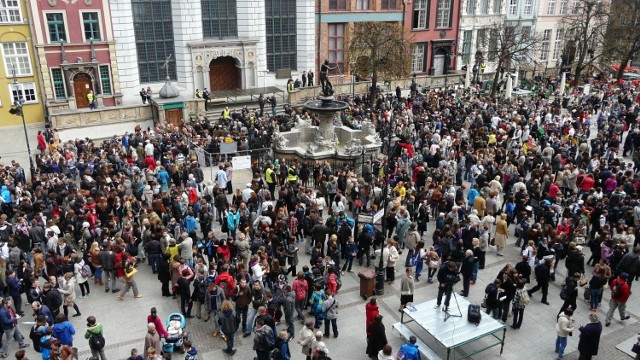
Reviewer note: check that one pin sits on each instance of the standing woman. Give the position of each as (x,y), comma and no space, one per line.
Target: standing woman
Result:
(229,172)
(519,304)
(406,288)
(377,337)
(420,256)
(228,325)
(94,258)
(67,288)
(590,338)
(501,233)
(433,263)
(390,257)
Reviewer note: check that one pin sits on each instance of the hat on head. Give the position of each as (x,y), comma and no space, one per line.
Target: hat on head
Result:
(624,275)
(248,185)
(85,224)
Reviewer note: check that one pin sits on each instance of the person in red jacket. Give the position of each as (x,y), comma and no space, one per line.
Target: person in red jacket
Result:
(554,191)
(153,318)
(225,277)
(332,282)
(371,310)
(587,183)
(620,292)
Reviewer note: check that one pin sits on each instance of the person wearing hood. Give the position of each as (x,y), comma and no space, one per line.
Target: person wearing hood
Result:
(63,330)
(371,311)
(94,328)
(228,325)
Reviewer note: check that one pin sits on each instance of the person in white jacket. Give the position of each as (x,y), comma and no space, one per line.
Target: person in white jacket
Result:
(389,258)
(564,327)
(82,280)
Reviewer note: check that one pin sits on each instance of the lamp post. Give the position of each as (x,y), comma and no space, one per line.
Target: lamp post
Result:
(391,144)
(18,110)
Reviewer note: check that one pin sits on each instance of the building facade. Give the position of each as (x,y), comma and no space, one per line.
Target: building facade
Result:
(479,22)
(335,21)
(76,53)
(549,27)
(18,56)
(215,44)
(433,25)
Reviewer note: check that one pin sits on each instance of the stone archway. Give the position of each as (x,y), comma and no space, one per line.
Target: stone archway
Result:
(225,74)
(439,59)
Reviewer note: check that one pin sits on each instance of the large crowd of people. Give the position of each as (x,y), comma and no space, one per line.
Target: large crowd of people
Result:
(480,175)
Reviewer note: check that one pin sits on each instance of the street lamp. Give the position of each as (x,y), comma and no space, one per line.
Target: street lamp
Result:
(391,147)
(18,110)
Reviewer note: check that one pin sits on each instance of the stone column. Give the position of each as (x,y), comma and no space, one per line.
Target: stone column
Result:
(187,27)
(306,34)
(251,24)
(125,64)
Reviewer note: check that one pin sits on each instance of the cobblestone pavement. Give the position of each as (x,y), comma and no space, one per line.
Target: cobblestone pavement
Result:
(125,322)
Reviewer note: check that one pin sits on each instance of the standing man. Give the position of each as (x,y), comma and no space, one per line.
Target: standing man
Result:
(304,78)
(270,178)
(264,341)
(107,259)
(96,338)
(92,100)
(9,327)
(447,276)
(273,103)
(330,308)
(221,177)
(590,338)
(620,293)
(261,104)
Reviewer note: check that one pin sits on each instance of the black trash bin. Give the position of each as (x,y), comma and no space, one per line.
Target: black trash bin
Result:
(367,283)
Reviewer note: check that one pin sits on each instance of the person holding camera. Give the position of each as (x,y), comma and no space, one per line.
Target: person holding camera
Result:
(447,277)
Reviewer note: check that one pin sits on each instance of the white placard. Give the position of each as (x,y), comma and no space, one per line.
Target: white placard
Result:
(241,162)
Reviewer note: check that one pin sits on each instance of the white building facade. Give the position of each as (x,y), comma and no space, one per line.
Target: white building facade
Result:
(549,28)
(215,44)
(475,38)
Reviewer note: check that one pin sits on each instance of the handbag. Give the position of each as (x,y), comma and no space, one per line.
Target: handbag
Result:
(636,348)
(492,242)
(583,281)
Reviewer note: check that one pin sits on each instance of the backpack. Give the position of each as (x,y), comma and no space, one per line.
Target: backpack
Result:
(563,292)
(615,290)
(97,342)
(226,288)
(524,299)
(269,341)
(85,271)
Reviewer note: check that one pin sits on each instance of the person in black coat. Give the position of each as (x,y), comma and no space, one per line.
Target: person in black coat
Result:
(377,338)
(571,284)
(575,259)
(184,291)
(164,274)
(543,276)
(524,269)
(590,338)
(467,270)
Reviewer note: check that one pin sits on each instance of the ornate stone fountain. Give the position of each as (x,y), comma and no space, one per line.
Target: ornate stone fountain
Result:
(330,140)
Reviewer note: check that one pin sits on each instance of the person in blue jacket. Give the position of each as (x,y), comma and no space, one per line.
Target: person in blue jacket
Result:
(10,327)
(281,351)
(63,330)
(410,349)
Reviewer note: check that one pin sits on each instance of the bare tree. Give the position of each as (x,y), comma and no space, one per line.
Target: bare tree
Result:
(379,49)
(622,39)
(584,26)
(507,43)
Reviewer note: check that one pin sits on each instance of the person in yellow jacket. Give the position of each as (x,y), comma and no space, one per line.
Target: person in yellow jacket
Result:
(226,114)
(292,175)
(92,100)
(270,178)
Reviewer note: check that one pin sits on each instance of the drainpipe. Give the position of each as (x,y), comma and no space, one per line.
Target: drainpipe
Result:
(318,41)
(34,51)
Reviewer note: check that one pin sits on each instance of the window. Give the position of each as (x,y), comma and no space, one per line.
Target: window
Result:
(10,12)
(443,14)
(389,4)
(484,7)
(336,46)
(219,19)
(557,47)
(481,42)
(105,80)
(493,44)
(420,14)
(563,7)
(282,46)
(25,91)
(576,5)
(417,58)
(55,22)
(497,6)
(91,25)
(362,4)
(551,7)
(337,4)
(528,7)
(58,84)
(153,29)
(466,46)
(16,55)
(513,7)
(544,49)
(471,7)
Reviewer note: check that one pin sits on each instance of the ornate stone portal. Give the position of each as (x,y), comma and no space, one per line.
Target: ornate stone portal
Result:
(244,51)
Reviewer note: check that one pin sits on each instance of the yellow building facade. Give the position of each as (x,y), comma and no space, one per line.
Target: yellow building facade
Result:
(17,54)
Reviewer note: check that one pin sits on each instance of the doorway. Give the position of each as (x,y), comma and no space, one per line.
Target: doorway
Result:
(438,62)
(82,84)
(224,74)
(174,117)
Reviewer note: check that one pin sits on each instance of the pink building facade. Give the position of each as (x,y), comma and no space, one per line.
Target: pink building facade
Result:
(76,53)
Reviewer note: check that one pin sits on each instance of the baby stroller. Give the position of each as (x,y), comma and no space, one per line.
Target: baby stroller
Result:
(176,324)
